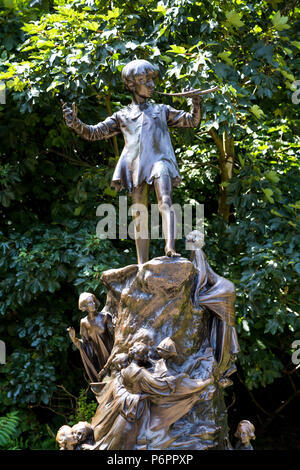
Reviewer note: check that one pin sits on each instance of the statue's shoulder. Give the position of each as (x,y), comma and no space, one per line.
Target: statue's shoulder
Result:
(125,112)
(159,107)
(84,322)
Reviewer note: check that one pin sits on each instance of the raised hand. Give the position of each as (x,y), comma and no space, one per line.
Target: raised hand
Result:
(70,113)
(77,342)
(196,98)
(71,332)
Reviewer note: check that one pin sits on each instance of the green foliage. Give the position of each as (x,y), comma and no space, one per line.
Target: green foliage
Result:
(85,408)
(8,427)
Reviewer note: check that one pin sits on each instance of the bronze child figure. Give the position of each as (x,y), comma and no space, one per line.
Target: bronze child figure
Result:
(96,339)
(245,432)
(148,157)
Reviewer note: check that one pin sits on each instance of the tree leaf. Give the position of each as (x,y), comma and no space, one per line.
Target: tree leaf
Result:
(177,49)
(268,193)
(226,57)
(255,109)
(234,19)
(272,176)
(280,22)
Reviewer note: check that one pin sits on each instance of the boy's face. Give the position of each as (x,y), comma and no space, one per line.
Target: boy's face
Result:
(78,432)
(144,85)
(65,437)
(244,435)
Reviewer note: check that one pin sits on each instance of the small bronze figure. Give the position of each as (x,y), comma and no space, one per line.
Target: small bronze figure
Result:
(217,294)
(119,416)
(65,438)
(96,339)
(83,435)
(148,157)
(79,437)
(166,351)
(245,432)
(130,408)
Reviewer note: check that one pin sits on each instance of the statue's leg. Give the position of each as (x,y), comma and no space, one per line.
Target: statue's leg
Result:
(163,189)
(140,196)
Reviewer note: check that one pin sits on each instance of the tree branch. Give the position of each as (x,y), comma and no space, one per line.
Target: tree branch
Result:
(48,408)
(69,159)
(280,408)
(253,398)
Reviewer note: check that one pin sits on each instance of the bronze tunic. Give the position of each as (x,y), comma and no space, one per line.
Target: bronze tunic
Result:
(148,151)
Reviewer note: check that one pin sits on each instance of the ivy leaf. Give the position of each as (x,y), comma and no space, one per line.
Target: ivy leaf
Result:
(226,57)
(295,206)
(221,70)
(268,193)
(257,111)
(91,25)
(272,176)
(280,22)
(234,19)
(54,85)
(177,49)
(257,29)
(160,9)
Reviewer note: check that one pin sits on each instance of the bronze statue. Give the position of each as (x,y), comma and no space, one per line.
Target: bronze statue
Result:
(84,435)
(148,157)
(217,294)
(78,437)
(161,351)
(130,410)
(166,351)
(165,363)
(245,432)
(96,339)
(65,438)
(119,415)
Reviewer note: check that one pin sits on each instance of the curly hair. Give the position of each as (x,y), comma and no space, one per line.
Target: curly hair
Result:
(118,360)
(138,346)
(248,426)
(82,302)
(135,68)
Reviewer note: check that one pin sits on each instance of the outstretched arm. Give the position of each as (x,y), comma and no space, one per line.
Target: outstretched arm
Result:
(102,130)
(179,118)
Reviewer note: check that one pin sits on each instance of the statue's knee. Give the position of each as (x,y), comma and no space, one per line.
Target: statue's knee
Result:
(165,204)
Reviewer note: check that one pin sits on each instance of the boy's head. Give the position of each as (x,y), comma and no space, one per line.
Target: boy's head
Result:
(120,361)
(82,431)
(138,72)
(166,348)
(65,438)
(245,431)
(139,351)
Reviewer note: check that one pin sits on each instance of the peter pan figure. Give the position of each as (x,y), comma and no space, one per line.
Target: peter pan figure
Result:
(148,157)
